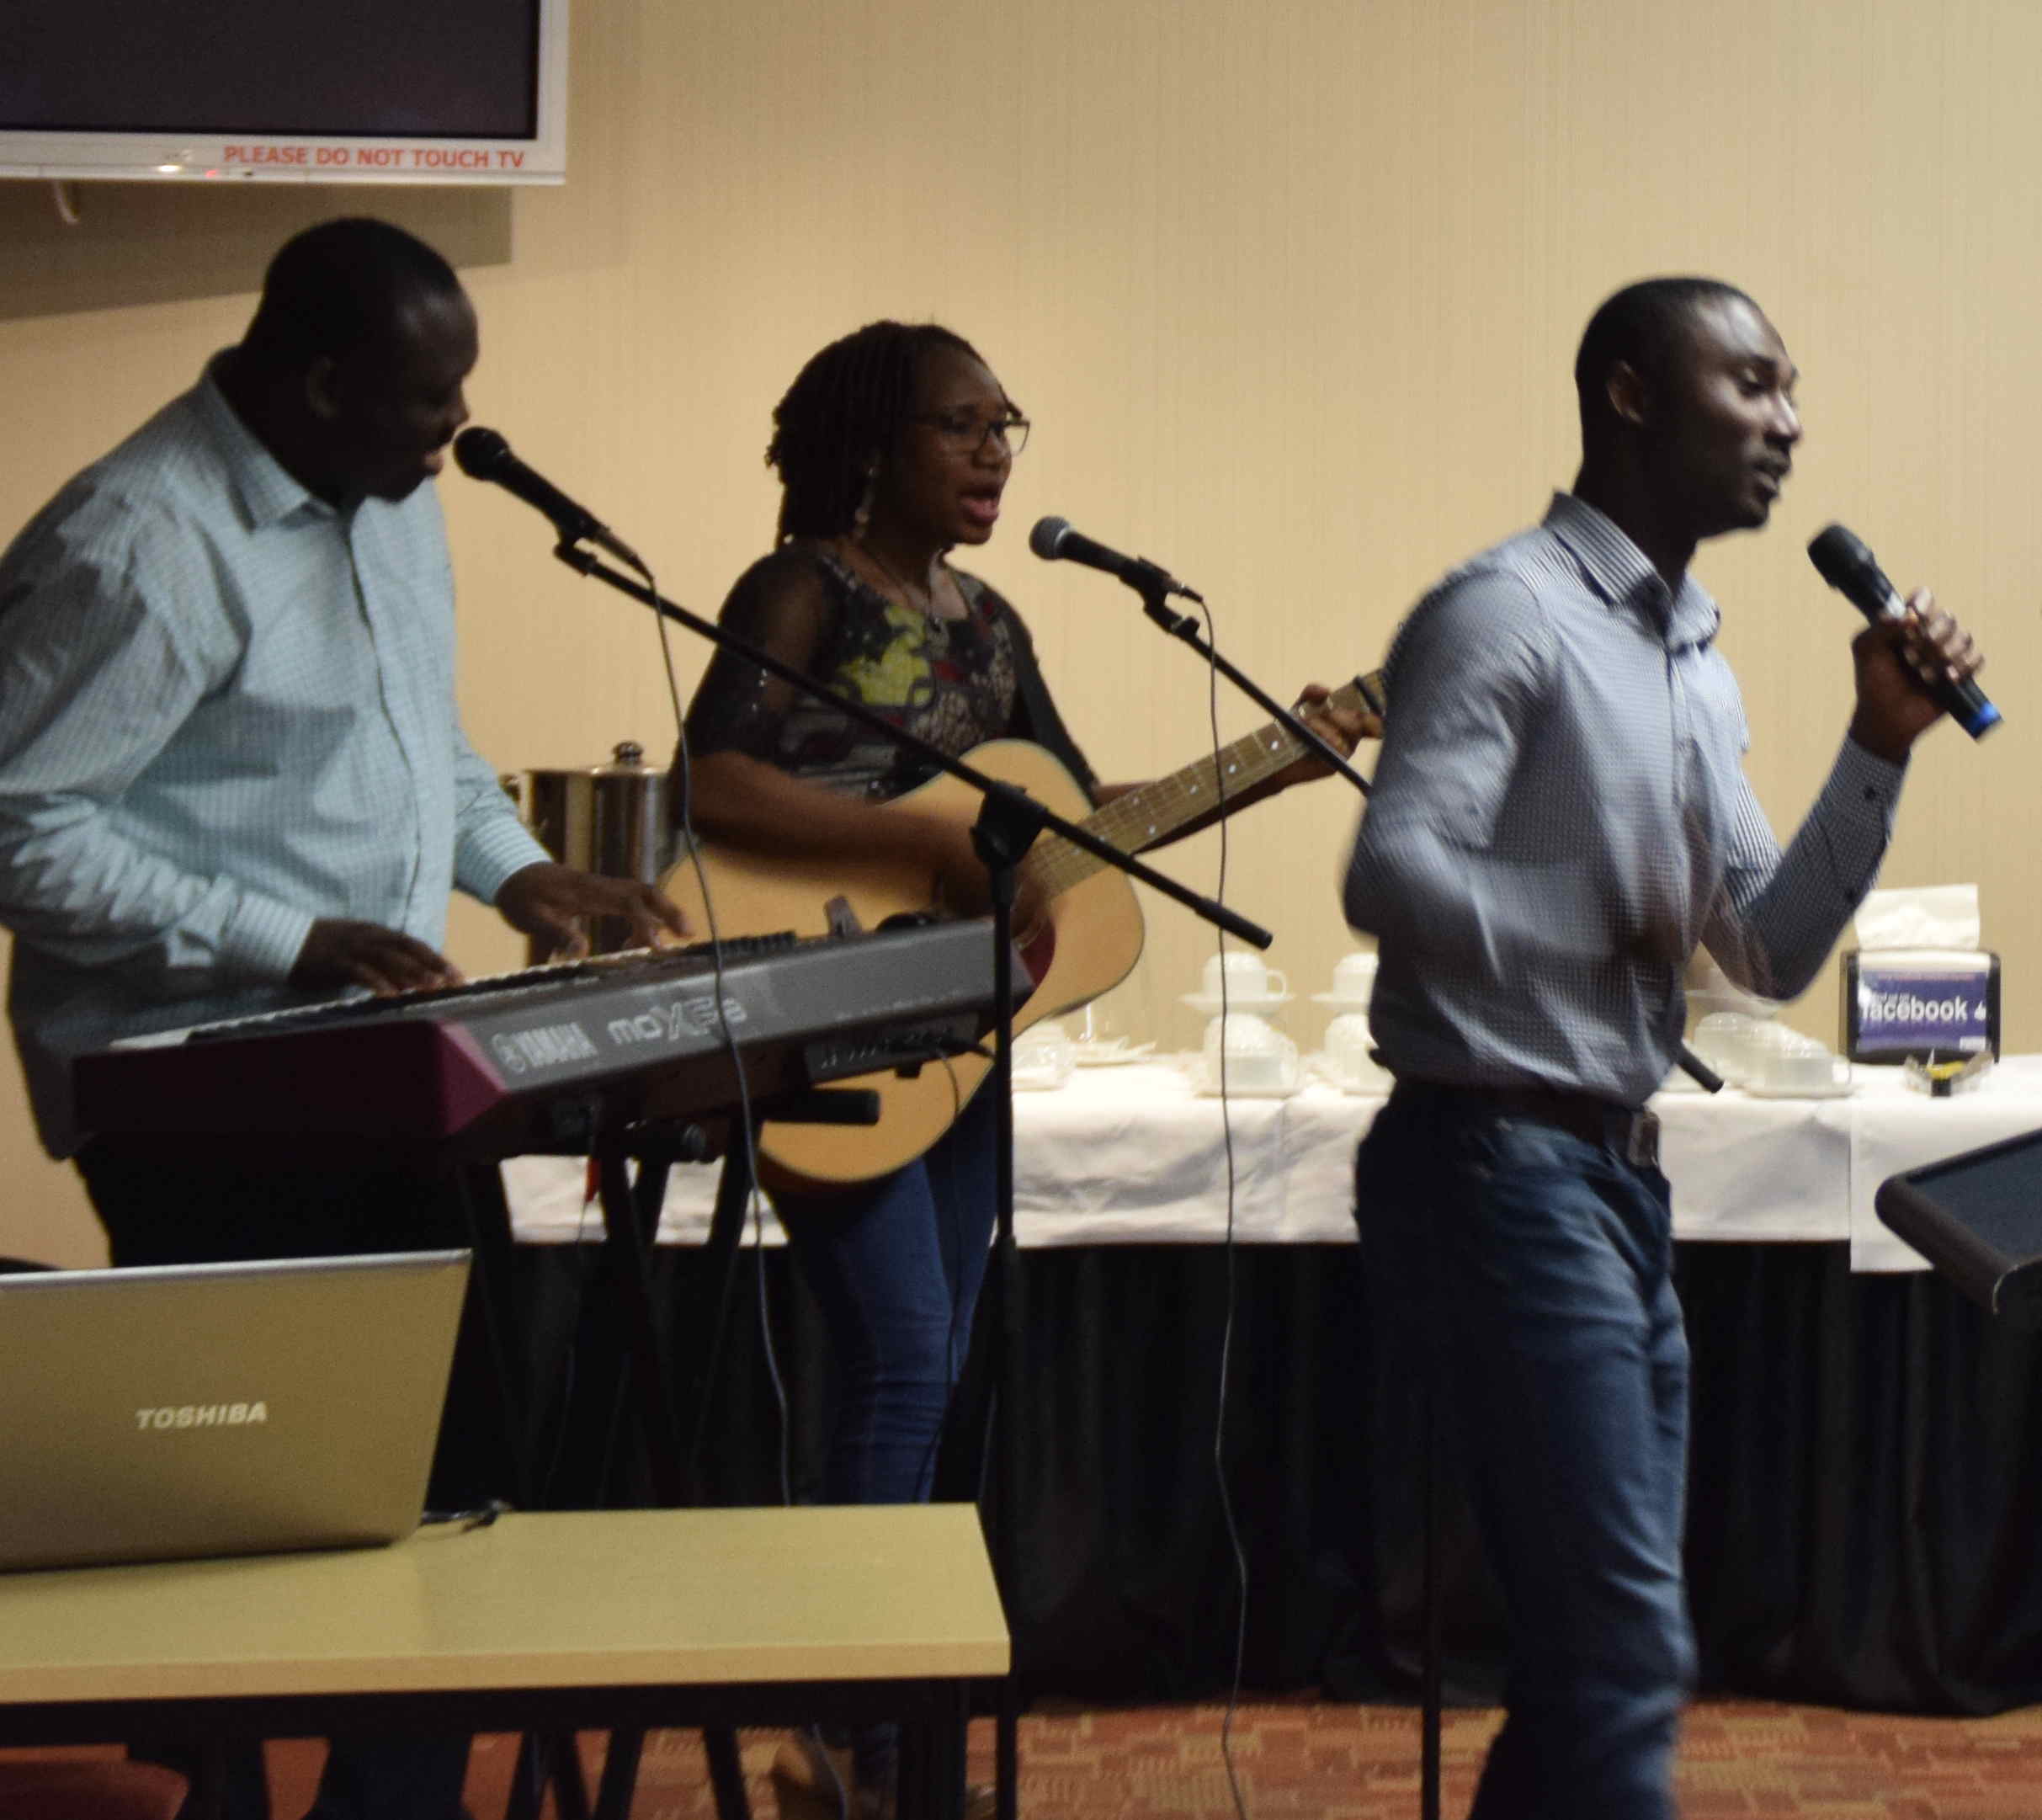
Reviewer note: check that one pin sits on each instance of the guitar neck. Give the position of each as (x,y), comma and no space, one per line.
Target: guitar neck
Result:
(1146,817)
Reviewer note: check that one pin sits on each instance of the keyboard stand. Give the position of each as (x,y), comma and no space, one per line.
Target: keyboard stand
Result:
(631,1218)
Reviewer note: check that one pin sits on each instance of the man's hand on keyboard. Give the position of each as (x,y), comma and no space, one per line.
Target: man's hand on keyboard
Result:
(554,904)
(339,953)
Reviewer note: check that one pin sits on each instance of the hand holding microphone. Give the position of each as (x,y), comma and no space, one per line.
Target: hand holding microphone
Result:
(1930,659)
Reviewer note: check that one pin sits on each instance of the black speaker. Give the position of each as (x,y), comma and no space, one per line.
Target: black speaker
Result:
(1978,1219)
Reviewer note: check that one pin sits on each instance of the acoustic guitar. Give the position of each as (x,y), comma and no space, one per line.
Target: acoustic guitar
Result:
(1088,941)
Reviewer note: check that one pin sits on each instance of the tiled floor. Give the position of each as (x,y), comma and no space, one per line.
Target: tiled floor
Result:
(1306,1758)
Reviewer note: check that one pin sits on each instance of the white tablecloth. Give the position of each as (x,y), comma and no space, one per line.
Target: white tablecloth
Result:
(1134,1156)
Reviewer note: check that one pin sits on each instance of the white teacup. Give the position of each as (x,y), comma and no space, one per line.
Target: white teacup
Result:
(1348,1044)
(1096,1030)
(1767,1038)
(1725,1040)
(1354,977)
(1789,1062)
(1258,1055)
(1043,1057)
(1248,976)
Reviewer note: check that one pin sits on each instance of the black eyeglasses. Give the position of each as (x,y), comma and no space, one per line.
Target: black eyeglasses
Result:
(968,432)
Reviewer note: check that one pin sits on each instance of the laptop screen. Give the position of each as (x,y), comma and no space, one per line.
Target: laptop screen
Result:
(220,1409)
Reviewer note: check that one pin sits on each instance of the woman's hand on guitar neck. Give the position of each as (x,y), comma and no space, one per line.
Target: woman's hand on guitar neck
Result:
(1341,727)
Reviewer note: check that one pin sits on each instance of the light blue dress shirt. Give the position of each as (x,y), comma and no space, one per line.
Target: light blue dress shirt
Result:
(1561,773)
(226,710)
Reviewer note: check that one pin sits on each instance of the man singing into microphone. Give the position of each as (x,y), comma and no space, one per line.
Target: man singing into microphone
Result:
(232,777)
(1560,816)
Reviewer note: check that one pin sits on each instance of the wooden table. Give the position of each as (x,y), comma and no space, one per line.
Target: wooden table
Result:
(542,1621)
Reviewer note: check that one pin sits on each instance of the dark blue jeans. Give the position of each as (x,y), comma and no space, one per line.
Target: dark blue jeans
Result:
(1535,1269)
(896,1265)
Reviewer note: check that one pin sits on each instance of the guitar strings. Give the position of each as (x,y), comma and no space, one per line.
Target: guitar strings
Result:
(1129,824)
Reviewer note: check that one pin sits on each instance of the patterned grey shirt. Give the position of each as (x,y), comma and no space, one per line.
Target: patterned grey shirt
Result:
(1560,810)
(226,709)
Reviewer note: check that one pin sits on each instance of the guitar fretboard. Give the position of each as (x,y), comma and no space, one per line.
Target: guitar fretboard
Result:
(1143,817)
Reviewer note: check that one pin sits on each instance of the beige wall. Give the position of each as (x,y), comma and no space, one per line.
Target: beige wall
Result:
(1291,291)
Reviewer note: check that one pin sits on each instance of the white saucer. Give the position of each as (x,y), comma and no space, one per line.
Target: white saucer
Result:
(1343,999)
(1321,1066)
(1235,1002)
(1115,1053)
(1206,1091)
(1834,1090)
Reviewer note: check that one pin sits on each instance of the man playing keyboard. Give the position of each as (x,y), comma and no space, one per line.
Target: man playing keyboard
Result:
(232,776)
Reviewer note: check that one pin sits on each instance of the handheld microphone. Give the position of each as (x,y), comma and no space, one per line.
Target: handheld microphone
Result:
(482,454)
(1842,561)
(1054,540)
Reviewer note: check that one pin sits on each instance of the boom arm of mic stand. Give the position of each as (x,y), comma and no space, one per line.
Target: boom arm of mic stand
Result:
(1182,625)
(584,563)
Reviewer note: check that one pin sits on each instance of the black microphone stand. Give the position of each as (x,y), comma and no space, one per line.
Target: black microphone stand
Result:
(1182,625)
(1008,822)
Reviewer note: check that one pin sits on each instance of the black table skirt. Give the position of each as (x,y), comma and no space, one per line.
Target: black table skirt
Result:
(1866,1483)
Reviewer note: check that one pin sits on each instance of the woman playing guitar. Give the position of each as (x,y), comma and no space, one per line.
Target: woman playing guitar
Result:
(893,446)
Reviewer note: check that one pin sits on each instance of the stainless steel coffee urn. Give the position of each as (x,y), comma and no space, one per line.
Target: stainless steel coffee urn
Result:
(609,818)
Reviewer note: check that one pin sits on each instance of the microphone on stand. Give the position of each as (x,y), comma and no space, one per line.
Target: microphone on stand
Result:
(1054,540)
(1848,567)
(482,454)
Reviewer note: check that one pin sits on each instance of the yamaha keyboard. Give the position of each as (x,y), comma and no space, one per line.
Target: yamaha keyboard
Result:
(522,1062)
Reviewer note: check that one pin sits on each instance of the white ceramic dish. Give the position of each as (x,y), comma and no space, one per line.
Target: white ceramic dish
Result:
(1342,1001)
(1114,1054)
(1198,1075)
(1206,1090)
(1235,1002)
(1373,1086)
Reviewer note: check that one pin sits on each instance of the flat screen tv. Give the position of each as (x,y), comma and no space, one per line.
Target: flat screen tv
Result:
(346,91)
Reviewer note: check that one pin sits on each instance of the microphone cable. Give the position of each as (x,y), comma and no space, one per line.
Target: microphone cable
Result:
(840,1794)
(755,1207)
(756,1202)
(1230,1299)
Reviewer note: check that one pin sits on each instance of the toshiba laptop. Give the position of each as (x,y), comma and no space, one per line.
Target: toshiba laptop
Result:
(220,1409)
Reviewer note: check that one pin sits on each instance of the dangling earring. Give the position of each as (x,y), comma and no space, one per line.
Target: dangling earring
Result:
(861,515)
